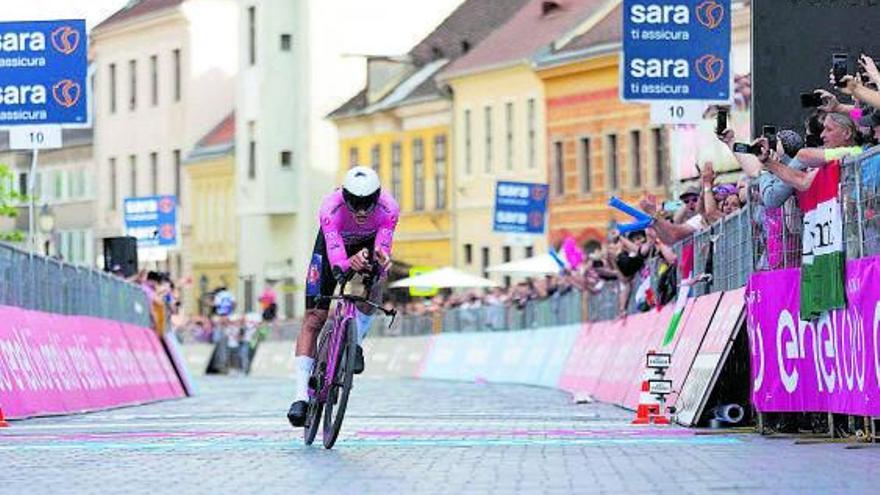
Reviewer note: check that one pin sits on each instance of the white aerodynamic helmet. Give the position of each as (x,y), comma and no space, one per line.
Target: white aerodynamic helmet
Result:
(361,189)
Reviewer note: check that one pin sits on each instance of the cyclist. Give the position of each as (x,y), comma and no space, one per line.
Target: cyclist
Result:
(357,223)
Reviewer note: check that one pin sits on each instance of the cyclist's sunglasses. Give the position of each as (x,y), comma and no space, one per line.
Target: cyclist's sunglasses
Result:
(360,204)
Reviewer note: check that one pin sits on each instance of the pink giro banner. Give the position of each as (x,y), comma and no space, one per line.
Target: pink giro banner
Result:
(59,364)
(828,365)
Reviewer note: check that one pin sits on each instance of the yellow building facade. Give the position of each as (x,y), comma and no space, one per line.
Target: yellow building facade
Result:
(499,136)
(409,147)
(210,231)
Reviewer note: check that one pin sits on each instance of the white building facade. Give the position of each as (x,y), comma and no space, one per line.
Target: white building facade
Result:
(164,76)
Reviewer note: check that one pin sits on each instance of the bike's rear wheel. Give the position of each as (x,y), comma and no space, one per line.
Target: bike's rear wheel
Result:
(313,417)
(340,387)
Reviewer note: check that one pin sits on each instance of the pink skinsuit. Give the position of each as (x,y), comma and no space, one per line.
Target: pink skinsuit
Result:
(340,228)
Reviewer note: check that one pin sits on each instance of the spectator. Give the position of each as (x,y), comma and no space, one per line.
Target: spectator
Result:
(691,198)
(667,231)
(269,303)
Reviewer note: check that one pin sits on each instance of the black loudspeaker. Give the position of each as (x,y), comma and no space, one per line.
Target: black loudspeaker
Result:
(792,45)
(120,255)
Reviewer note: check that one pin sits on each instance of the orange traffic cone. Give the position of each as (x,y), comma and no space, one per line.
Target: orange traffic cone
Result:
(648,410)
(3,422)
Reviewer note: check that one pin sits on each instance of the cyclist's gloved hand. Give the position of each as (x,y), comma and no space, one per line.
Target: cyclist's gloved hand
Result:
(339,275)
(384,261)
(360,261)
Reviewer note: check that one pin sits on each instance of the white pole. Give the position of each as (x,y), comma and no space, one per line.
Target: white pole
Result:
(31,198)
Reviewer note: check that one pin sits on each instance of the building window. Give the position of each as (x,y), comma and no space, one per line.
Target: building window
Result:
(132,84)
(252,159)
(558,168)
(177,75)
(530,251)
(586,166)
(508,118)
(611,162)
(154,173)
(487,164)
(468,254)
(505,253)
(154,80)
(418,153)
(178,190)
(114,195)
(286,42)
(252,151)
(658,136)
(112,86)
(531,121)
(248,293)
(252,36)
(23,184)
(375,156)
(484,261)
(440,171)
(352,157)
(635,157)
(289,299)
(286,159)
(132,166)
(467,142)
(396,190)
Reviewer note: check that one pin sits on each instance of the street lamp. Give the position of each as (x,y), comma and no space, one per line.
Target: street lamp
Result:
(46,223)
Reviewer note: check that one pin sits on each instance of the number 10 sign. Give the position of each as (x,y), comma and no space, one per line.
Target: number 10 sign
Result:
(677,111)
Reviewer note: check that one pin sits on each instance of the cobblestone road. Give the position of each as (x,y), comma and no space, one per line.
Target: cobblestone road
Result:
(404,437)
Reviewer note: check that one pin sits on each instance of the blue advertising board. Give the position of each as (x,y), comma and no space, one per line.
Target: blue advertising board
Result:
(520,207)
(676,50)
(152,220)
(43,68)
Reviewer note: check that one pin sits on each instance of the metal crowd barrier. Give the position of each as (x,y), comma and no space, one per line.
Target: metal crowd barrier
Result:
(559,309)
(755,238)
(45,284)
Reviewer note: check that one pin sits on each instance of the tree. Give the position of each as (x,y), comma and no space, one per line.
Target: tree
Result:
(10,198)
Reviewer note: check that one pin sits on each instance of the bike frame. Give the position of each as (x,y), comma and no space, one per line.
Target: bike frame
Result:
(343,313)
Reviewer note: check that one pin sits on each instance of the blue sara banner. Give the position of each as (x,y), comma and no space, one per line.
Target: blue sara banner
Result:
(676,50)
(520,207)
(43,68)
(152,220)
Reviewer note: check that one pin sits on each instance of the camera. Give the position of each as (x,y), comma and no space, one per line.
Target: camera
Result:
(769,132)
(839,67)
(721,121)
(746,148)
(811,100)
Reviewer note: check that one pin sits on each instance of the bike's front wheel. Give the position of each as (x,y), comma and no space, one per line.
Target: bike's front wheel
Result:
(340,387)
(313,416)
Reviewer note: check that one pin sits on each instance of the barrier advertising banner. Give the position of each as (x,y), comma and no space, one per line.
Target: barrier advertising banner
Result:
(831,364)
(59,364)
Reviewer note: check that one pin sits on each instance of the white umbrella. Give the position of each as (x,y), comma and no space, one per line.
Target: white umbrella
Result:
(536,265)
(447,277)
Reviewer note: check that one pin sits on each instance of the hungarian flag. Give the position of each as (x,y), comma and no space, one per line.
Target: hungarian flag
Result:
(822,264)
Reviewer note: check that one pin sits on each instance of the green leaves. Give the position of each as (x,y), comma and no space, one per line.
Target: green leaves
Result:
(10,198)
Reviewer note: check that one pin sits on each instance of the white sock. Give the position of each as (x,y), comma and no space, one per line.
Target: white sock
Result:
(304,365)
(364,322)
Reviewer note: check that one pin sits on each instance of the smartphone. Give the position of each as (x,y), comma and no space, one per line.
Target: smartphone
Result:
(720,121)
(839,67)
(811,100)
(746,148)
(769,132)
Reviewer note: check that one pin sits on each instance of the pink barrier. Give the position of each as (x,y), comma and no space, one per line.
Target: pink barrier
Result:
(828,365)
(608,358)
(58,364)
